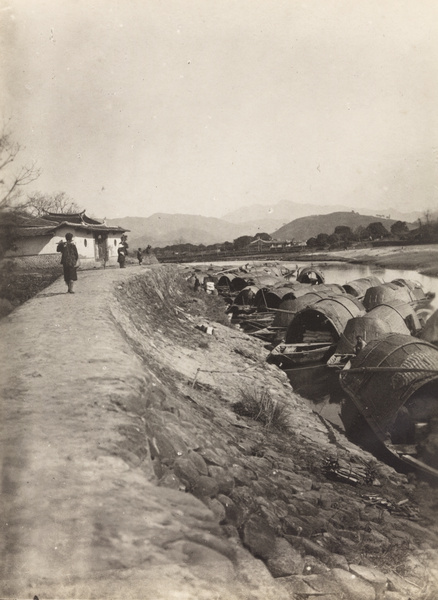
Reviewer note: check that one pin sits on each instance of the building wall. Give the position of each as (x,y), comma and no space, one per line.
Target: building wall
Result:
(85,243)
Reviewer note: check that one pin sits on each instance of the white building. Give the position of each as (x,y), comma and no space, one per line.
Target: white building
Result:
(96,242)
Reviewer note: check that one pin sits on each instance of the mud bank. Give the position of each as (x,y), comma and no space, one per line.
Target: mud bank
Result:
(138,478)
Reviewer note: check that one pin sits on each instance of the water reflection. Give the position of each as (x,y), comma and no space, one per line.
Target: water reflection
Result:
(340,272)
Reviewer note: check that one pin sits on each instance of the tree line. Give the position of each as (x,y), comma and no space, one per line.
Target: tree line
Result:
(343,236)
(15,206)
(235,246)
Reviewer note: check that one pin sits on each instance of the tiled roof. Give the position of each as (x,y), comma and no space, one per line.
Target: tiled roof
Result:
(47,225)
(36,231)
(77,218)
(98,227)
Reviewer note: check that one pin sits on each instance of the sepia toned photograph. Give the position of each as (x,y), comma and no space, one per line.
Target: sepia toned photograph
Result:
(218,300)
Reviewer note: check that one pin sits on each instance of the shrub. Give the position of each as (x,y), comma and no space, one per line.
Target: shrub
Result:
(258,404)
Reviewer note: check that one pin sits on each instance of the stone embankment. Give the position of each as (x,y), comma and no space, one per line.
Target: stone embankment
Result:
(130,471)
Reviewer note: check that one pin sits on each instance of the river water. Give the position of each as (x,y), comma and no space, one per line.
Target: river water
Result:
(341,272)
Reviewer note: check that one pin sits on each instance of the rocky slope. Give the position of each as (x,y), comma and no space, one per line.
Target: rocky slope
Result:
(266,480)
(142,470)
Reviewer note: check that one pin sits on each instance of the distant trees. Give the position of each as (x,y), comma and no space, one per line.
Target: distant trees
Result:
(399,228)
(343,236)
(38,204)
(376,230)
(322,239)
(263,236)
(242,241)
(344,232)
(13,177)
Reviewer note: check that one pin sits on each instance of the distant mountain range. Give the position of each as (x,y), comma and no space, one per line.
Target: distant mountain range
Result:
(163,229)
(283,220)
(286,211)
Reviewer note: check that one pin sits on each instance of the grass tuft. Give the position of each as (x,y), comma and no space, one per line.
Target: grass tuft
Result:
(258,404)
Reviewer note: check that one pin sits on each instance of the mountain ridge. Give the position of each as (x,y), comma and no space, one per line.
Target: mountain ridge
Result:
(162,229)
(304,228)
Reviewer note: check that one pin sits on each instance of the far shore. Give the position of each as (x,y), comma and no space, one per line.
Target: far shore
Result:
(423,259)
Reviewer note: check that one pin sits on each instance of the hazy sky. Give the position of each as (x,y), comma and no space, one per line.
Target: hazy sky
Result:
(202,106)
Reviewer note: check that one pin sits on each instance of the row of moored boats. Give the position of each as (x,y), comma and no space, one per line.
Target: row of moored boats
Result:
(379,338)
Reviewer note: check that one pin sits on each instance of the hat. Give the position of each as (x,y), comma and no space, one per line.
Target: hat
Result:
(69,236)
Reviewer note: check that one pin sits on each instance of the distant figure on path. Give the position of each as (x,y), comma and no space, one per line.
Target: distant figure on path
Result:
(69,260)
(148,249)
(139,256)
(360,344)
(197,284)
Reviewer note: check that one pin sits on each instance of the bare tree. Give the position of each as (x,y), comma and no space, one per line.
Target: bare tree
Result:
(12,180)
(38,204)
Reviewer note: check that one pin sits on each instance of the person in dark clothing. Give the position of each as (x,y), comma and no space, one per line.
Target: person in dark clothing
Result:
(122,251)
(139,256)
(69,260)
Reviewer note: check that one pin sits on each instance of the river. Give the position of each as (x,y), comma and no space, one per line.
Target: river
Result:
(342,272)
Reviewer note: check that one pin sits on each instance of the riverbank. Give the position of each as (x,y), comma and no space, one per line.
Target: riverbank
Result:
(423,259)
(150,451)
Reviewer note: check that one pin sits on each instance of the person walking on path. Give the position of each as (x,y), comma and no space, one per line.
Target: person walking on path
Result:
(69,260)
(122,251)
(139,256)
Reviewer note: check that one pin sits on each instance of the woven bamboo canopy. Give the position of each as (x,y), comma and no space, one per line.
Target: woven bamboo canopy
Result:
(329,314)
(387,374)
(358,287)
(382,294)
(310,275)
(370,327)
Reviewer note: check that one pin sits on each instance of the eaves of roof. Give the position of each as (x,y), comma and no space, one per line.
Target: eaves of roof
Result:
(90,227)
(35,231)
(51,229)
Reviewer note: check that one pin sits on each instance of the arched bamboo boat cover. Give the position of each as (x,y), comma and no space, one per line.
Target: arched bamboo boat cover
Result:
(382,294)
(265,284)
(246,296)
(290,307)
(332,288)
(370,327)
(329,314)
(396,311)
(232,282)
(380,395)
(310,275)
(280,293)
(415,288)
(411,285)
(430,330)
(272,298)
(358,287)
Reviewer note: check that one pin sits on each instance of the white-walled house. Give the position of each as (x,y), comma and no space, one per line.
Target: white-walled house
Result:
(96,242)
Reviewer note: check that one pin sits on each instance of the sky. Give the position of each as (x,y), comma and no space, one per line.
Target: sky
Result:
(134,107)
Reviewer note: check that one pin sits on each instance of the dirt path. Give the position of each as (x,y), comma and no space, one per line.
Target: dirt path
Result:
(103,429)
(74,513)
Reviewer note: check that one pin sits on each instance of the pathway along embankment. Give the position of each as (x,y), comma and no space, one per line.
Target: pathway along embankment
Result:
(127,473)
